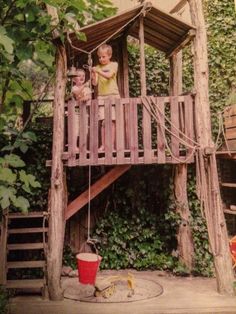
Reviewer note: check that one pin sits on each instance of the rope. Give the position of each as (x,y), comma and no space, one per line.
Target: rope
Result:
(156,116)
(89,203)
(154,107)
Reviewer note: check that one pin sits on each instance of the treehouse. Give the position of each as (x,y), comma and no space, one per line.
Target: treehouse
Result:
(149,129)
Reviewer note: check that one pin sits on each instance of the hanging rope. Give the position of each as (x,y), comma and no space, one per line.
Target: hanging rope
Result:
(155,112)
(89,203)
(89,239)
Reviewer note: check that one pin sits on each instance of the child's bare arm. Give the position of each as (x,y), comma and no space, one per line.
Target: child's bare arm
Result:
(94,77)
(104,74)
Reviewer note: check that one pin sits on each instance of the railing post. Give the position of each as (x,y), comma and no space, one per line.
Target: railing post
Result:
(72,126)
(93,131)
(83,132)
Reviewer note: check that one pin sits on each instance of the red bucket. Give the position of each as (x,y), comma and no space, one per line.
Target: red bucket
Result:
(88,265)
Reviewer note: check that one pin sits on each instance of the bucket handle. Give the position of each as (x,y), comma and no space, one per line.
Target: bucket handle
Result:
(91,242)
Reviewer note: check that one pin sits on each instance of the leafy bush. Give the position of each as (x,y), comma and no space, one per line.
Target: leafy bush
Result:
(132,240)
(157,70)
(36,159)
(14,180)
(221,23)
(203,259)
(3,301)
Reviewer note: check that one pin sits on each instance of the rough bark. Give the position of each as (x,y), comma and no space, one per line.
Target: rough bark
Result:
(209,180)
(184,234)
(58,188)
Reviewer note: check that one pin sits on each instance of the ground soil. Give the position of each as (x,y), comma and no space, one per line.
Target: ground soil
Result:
(180,295)
(112,288)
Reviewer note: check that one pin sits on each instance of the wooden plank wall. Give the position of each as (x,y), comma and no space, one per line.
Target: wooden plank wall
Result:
(145,147)
(230,126)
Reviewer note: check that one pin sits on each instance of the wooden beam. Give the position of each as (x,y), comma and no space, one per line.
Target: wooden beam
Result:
(125,66)
(142,57)
(146,116)
(182,43)
(96,188)
(178,6)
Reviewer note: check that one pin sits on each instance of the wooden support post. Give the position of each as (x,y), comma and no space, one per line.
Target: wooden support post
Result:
(58,189)
(125,67)
(142,57)
(147,144)
(184,235)
(125,89)
(212,204)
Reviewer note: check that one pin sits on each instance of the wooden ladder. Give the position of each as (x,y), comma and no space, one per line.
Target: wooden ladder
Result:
(11,233)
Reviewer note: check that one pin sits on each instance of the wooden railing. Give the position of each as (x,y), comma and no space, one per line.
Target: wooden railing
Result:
(141,136)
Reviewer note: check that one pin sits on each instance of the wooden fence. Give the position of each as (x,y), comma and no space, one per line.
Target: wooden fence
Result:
(141,137)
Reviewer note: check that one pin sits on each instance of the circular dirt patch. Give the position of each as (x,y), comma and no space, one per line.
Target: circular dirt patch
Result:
(143,289)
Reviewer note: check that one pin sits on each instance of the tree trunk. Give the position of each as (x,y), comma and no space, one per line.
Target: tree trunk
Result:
(209,185)
(184,235)
(58,190)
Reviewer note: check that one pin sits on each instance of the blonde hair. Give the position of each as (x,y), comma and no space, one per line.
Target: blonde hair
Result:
(80,71)
(106,47)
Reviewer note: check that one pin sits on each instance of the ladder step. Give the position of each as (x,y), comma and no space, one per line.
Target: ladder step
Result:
(28,215)
(24,284)
(229,211)
(27,230)
(26,264)
(25,246)
(229,185)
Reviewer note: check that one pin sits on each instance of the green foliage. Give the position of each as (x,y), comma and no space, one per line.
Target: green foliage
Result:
(157,69)
(132,240)
(203,259)
(14,180)
(36,164)
(137,231)
(69,258)
(3,301)
(221,23)
(26,39)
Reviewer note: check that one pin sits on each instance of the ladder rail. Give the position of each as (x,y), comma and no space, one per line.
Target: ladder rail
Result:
(3,248)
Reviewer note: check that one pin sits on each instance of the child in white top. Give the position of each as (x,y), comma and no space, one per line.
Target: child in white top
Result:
(80,89)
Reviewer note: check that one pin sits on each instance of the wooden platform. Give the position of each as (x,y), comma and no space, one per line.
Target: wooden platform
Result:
(141,138)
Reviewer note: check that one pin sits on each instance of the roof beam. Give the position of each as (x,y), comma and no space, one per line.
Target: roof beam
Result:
(182,43)
(178,6)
